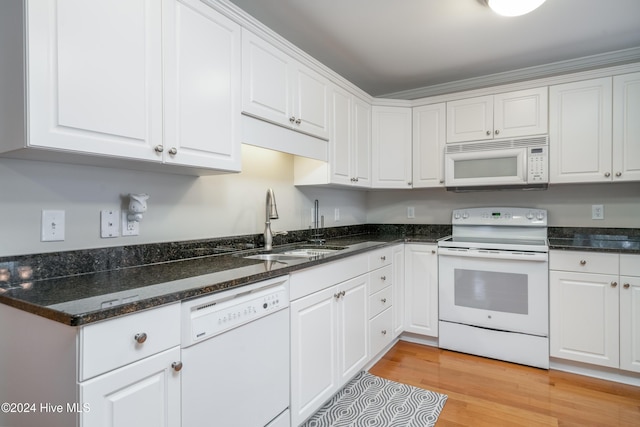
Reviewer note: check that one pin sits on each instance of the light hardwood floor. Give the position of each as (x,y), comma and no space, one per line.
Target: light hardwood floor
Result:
(485,392)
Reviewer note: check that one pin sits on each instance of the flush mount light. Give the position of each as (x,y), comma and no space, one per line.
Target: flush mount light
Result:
(513,7)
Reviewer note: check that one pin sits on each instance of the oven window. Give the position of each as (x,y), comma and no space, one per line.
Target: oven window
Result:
(486,168)
(491,290)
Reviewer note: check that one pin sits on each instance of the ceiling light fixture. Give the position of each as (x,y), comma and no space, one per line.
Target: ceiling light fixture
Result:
(513,7)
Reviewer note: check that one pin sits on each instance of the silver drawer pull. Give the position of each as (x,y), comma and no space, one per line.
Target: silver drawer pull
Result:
(626,286)
(177,366)
(141,337)
(383,258)
(614,284)
(583,262)
(384,300)
(384,332)
(383,278)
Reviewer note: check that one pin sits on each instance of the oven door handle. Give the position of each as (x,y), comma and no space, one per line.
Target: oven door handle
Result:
(494,254)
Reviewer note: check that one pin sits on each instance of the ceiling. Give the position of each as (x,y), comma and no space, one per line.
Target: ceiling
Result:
(390,46)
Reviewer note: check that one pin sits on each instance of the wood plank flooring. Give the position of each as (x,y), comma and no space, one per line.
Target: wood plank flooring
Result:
(485,392)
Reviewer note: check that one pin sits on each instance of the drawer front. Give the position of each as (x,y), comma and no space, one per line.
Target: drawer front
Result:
(381,330)
(379,258)
(585,262)
(380,301)
(629,265)
(380,279)
(111,344)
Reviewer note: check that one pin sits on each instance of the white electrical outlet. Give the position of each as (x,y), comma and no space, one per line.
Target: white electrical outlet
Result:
(109,223)
(336,214)
(129,228)
(597,211)
(52,226)
(411,212)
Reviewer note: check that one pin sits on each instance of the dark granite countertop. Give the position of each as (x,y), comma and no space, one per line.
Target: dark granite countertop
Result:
(597,240)
(84,298)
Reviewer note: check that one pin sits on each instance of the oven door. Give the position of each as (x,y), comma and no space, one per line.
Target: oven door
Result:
(501,290)
(494,167)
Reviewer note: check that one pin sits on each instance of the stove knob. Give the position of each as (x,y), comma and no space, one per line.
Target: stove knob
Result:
(465,215)
(530,215)
(456,215)
(540,216)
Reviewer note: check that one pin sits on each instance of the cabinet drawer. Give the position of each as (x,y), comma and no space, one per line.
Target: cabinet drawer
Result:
(380,301)
(629,265)
(381,330)
(587,262)
(380,258)
(380,279)
(111,344)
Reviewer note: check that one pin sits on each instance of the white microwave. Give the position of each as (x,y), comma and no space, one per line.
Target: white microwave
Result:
(495,164)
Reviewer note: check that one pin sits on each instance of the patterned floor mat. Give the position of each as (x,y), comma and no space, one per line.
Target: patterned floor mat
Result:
(368,400)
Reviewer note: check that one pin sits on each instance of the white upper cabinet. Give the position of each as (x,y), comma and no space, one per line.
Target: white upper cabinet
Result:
(350,143)
(141,80)
(580,127)
(202,86)
(277,88)
(428,145)
(504,115)
(626,128)
(391,147)
(95,76)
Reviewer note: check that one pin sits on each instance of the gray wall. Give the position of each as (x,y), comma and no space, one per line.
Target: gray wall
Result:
(185,208)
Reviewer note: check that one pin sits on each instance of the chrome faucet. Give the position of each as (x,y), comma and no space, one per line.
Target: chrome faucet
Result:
(271,212)
(316,237)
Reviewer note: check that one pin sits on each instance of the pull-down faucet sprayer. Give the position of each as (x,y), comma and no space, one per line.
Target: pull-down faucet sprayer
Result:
(271,212)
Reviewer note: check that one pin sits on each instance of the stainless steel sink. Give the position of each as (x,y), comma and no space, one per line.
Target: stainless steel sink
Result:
(295,253)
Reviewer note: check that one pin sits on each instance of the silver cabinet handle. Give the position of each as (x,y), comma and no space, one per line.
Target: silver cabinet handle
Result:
(159,148)
(337,296)
(177,366)
(488,132)
(298,121)
(383,300)
(614,284)
(383,258)
(497,132)
(433,251)
(292,119)
(141,337)
(383,278)
(626,286)
(607,174)
(173,151)
(384,332)
(583,262)
(409,183)
(618,174)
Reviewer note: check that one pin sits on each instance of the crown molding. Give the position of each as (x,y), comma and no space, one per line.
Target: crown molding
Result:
(602,60)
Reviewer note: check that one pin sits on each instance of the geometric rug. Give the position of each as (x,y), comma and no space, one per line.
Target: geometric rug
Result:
(368,400)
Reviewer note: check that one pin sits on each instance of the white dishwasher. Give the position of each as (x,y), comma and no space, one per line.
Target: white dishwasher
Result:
(235,356)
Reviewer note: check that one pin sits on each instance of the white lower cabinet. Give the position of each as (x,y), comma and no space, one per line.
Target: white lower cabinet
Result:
(595,308)
(329,343)
(421,289)
(143,393)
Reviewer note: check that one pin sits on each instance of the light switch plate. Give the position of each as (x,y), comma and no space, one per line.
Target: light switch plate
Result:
(52,226)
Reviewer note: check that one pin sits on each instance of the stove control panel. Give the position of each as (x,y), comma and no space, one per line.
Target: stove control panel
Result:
(527,217)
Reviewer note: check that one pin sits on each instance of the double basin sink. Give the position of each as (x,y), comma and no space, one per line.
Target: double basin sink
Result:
(295,253)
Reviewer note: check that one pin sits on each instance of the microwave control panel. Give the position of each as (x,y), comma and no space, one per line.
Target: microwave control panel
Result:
(538,167)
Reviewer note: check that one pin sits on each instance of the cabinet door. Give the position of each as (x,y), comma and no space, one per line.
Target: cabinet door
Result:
(266,80)
(630,323)
(421,289)
(520,113)
(353,321)
(428,145)
(361,143)
(314,371)
(398,289)
(580,131)
(202,87)
(626,127)
(95,76)
(144,393)
(583,317)
(391,147)
(311,102)
(340,143)
(470,119)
